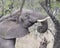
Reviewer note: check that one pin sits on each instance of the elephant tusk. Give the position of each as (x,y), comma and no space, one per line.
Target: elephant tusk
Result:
(43,19)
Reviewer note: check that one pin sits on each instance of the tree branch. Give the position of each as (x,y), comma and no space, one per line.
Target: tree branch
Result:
(50,13)
(17,20)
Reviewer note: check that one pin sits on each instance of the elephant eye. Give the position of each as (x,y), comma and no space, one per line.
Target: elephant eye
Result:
(27,16)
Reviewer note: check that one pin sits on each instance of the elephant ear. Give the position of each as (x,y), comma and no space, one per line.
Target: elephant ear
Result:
(11,29)
(43,28)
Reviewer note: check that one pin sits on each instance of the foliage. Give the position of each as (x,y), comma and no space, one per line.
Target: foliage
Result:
(8,6)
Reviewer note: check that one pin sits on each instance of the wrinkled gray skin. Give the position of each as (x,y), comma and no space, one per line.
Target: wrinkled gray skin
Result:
(10,26)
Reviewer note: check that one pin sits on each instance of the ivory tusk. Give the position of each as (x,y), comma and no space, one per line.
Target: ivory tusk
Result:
(43,19)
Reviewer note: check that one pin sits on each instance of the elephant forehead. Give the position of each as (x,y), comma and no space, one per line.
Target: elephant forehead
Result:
(33,14)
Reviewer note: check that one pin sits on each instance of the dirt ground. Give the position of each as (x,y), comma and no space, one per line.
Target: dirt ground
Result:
(28,41)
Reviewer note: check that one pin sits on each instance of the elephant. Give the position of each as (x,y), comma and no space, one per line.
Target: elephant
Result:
(10,29)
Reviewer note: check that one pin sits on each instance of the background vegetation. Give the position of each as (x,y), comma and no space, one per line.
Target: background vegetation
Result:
(8,6)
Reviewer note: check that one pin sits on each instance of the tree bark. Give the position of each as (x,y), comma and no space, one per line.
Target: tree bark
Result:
(57,26)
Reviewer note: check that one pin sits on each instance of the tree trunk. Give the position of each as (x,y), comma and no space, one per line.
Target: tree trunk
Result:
(57,26)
